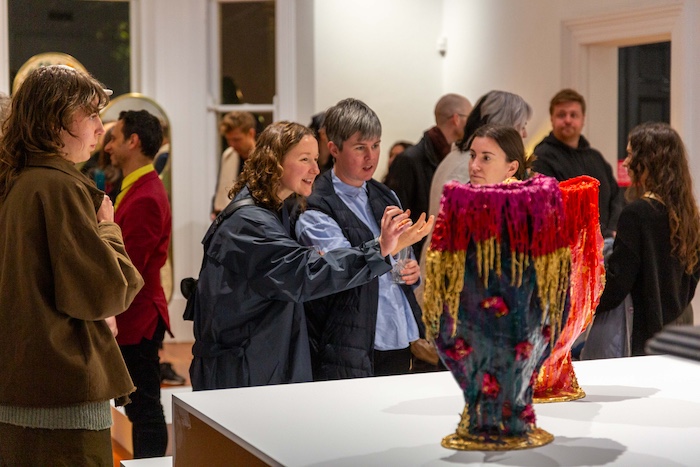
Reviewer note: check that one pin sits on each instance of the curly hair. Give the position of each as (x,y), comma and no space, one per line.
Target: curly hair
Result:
(263,170)
(42,107)
(658,164)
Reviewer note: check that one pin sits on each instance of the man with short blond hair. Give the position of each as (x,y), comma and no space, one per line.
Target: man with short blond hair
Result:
(239,130)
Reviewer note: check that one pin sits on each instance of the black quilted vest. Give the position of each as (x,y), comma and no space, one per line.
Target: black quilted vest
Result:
(342,326)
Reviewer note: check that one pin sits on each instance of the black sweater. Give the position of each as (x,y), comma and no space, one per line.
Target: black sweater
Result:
(642,264)
(563,162)
(410,176)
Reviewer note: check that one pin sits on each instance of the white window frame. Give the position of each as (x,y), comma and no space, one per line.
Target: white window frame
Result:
(283,105)
(4,46)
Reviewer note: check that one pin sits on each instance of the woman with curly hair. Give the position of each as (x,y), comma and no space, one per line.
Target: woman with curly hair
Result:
(656,254)
(249,323)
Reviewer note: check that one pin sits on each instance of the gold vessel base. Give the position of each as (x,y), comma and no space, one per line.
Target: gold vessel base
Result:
(573,395)
(536,438)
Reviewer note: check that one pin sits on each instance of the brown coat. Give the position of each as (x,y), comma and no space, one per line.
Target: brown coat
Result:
(61,275)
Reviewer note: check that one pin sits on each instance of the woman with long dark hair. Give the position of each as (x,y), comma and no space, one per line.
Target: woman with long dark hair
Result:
(496,154)
(656,254)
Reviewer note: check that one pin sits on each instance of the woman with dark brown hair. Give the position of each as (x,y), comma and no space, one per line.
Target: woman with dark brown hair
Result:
(63,272)
(249,322)
(496,154)
(656,254)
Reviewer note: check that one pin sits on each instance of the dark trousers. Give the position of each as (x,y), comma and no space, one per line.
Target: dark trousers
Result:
(20,446)
(149,433)
(392,362)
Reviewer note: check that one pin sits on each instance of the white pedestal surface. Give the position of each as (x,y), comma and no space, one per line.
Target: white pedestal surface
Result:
(641,411)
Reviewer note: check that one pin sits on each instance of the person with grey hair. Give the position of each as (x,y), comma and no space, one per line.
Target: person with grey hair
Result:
(498,107)
(495,107)
(367,330)
(412,171)
(250,327)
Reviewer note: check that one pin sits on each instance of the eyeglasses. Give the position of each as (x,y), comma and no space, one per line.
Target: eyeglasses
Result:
(462,115)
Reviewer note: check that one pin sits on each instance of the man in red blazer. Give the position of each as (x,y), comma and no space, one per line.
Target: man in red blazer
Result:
(142,210)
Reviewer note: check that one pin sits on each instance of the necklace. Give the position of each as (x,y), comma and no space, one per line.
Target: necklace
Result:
(651,195)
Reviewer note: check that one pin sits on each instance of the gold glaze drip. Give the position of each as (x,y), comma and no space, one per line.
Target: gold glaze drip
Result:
(444,281)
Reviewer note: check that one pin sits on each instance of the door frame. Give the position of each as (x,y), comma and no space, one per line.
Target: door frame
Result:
(589,63)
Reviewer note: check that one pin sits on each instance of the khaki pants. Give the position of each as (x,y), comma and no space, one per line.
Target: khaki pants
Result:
(20,446)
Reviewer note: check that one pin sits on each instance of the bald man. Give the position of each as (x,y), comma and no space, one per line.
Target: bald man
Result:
(411,173)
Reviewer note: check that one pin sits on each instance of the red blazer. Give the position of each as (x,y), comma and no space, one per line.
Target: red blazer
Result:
(144,216)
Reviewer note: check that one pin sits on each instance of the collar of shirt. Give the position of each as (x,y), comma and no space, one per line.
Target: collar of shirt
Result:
(357,199)
(348,190)
(130,179)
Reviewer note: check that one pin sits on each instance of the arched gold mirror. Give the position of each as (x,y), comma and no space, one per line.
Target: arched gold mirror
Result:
(44,59)
(162,161)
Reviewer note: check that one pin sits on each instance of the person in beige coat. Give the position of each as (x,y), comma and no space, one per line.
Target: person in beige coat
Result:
(63,273)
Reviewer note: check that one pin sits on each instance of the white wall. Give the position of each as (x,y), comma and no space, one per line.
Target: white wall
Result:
(384,53)
(507,45)
(688,122)
(174,73)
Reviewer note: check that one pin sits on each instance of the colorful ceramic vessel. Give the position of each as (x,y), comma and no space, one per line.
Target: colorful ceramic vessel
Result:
(496,298)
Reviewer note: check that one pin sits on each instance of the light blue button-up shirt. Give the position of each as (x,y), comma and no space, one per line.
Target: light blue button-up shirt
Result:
(396,326)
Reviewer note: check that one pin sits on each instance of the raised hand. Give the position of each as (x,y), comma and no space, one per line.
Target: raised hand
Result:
(414,233)
(394,222)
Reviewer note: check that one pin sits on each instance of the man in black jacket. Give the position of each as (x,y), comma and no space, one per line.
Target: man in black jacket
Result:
(566,154)
(411,173)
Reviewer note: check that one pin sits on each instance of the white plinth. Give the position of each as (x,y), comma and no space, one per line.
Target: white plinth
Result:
(640,411)
(153,462)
